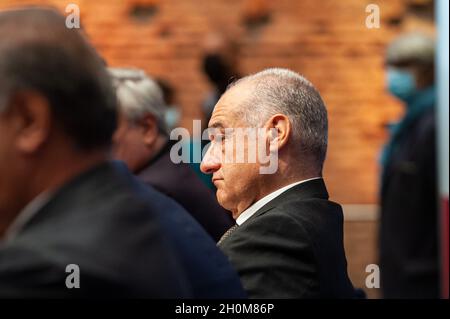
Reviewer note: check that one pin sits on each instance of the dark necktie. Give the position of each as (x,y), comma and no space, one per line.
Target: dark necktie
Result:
(227,234)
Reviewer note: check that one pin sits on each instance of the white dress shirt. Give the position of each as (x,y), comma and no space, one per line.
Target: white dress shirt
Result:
(246,214)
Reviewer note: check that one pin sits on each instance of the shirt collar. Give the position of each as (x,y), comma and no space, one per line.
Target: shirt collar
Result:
(26,214)
(249,212)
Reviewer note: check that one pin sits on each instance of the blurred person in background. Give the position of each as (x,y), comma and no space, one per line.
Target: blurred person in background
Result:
(219,64)
(172,115)
(61,201)
(408,226)
(142,142)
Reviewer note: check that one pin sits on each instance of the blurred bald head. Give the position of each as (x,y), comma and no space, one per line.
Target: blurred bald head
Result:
(57,107)
(38,52)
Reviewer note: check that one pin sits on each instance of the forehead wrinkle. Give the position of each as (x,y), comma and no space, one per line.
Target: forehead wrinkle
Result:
(231,106)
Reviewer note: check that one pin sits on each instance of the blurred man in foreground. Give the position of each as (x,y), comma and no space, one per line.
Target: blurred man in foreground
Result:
(72,223)
(287,242)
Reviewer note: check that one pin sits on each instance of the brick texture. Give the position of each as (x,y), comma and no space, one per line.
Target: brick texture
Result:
(326,40)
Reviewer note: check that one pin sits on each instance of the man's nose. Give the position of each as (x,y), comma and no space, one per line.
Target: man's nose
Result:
(210,163)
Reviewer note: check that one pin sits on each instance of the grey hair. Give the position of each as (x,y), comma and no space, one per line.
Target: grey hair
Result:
(278,90)
(411,47)
(139,95)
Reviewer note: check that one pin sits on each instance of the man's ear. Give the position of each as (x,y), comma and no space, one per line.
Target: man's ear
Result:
(278,130)
(150,129)
(33,117)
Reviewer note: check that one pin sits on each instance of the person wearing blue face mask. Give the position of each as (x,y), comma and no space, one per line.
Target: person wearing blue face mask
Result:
(402,83)
(408,225)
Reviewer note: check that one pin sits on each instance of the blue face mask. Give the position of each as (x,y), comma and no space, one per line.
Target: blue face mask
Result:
(172,116)
(401,84)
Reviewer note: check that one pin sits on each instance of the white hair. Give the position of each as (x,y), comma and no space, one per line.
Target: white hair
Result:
(278,90)
(411,47)
(138,95)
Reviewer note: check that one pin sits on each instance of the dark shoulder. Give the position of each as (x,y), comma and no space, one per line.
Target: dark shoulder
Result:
(23,268)
(307,219)
(101,222)
(310,212)
(104,206)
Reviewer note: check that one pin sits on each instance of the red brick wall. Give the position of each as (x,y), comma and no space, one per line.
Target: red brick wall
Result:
(325,40)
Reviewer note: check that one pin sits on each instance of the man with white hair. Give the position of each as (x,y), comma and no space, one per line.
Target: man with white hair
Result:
(142,142)
(288,237)
(408,197)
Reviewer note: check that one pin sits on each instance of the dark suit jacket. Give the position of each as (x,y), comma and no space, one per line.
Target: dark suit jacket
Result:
(180,182)
(292,247)
(409,259)
(111,226)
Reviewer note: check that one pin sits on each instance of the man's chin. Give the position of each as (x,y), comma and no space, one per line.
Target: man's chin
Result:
(223,200)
